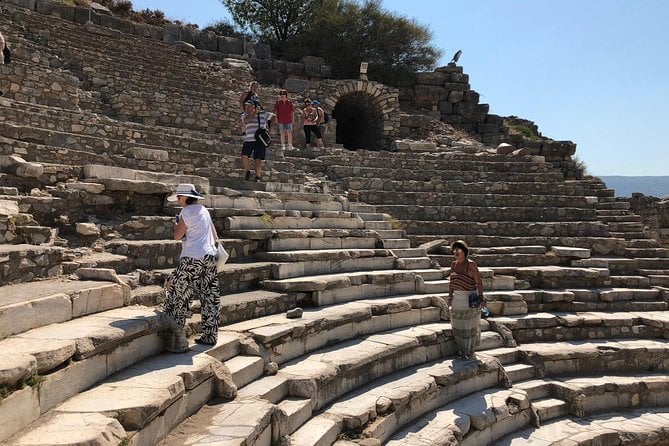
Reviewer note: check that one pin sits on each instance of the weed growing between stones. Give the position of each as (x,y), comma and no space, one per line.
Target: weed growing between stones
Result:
(396,224)
(34,381)
(266,218)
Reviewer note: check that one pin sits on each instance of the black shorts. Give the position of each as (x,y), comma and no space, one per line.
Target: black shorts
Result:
(254,150)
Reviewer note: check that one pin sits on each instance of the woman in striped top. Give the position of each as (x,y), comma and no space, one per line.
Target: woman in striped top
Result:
(465,280)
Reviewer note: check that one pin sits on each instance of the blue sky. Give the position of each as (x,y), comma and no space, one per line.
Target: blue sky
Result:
(590,71)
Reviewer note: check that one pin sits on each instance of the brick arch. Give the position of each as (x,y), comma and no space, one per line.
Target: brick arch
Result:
(366,114)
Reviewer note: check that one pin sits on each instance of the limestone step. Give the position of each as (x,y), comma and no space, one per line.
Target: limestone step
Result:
(337,221)
(391,233)
(659,280)
(322,254)
(473,229)
(520,372)
(584,325)
(376,225)
(414,392)
(30,305)
(114,176)
(628,235)
(336,264)
(643,243)
(480,418)
(396,243)
(599,245)
(630,281)
(69,357)
(286,339)
(144,400)
(563,277)
(409,252)
(458,186)
(416,263)
(641,424)
(245,369)
(549,408)
(612,355)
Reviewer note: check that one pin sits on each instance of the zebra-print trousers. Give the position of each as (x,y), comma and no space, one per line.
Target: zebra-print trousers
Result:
(194,277)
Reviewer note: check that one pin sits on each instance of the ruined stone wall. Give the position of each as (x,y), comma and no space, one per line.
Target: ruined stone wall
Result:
(655,214)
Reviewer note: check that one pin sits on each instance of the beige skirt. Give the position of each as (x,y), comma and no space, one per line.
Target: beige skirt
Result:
(465,323)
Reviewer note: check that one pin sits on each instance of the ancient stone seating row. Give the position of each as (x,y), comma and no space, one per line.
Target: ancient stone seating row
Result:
(638,426)
(121,50)
(579,188)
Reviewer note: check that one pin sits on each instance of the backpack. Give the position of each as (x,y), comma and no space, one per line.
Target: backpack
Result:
(7,54)
(326,117)
(262,135)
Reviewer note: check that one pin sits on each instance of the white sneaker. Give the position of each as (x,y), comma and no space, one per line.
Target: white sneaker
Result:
(283,147)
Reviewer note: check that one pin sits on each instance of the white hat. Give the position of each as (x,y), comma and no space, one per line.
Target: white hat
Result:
(185,190)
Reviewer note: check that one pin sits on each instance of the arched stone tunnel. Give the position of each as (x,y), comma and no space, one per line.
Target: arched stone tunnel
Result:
(359,122)
(366,114)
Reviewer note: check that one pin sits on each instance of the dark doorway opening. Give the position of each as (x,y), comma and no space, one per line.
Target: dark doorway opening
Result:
(359,122)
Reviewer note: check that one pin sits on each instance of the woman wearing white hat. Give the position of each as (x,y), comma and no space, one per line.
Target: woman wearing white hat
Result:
(195,272)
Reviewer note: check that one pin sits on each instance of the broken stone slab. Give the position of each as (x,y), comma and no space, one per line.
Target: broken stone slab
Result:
(8,208)
(93,429)
(565,251)
(144,153)
(91,188)
(121,173)
(87,229)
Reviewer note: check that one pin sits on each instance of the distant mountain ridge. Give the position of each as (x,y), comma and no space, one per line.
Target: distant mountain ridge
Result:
(625,186)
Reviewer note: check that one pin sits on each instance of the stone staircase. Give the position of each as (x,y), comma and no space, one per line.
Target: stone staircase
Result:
(357,240)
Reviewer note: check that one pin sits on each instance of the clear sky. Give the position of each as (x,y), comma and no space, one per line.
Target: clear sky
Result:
(590,71)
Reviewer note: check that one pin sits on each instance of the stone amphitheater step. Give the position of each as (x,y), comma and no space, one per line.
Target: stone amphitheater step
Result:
(561,276)
(447,200)
(317,220)
(582,300)
(647,252)
(327,289)
(584,325)
(466,175)
(612,355)
(335,254)
(598,245)
(144,401)
(487,212)
(640,424)
(142,152)
(31,305)
(118,178)
(612,204)
(609,393)
(68,357)
(480,418)
(440,185)
(474,230)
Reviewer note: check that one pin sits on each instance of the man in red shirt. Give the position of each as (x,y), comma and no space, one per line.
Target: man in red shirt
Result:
(284,111)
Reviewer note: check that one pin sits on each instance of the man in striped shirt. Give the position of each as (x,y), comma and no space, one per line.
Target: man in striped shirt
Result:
(253,118)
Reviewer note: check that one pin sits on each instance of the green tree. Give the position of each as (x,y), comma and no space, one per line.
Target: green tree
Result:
(274,21)
(349,33)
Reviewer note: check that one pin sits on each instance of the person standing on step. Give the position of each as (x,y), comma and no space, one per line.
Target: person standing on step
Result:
(465,306)
(311,120)
(323,120)
(253,118)
(2,53)
(285,111)
(195,274)
(251,95)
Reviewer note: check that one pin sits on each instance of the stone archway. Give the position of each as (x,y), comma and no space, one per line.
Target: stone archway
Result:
(366,115)
(359,122)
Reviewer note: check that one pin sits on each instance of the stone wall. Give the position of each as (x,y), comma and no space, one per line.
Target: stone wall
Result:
(212,46)
(655,214)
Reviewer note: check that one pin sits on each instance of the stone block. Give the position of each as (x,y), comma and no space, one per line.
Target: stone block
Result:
(23,316)
(18,410)
(230,45)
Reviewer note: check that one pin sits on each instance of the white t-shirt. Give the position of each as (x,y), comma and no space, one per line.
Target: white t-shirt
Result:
(199,240)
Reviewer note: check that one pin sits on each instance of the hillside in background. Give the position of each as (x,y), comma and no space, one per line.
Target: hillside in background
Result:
(624,186)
